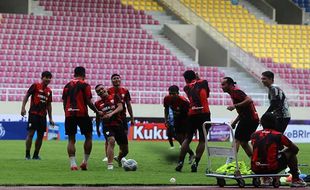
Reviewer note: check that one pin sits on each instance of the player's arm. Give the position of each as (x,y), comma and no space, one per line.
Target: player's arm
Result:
(118,109)
(129,108)
(289,145)
(234,123)
(245,102)
(98,125)
(166,113)
(275,101)
(92,106)
(49,113)
(25,100)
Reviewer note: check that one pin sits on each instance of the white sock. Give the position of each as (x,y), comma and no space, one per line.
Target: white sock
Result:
(72,161)
(110,166)
(86,156)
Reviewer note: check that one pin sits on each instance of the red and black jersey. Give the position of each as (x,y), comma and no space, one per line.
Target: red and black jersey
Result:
(179,106)
(40,97)
(198,93)
(248,111)
(124,94)
(74,96)
(266,146)
(108,105)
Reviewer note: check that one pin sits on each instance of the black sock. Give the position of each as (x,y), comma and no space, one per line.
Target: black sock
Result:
(197,161)
(27,153)
(170,141)
(36,153)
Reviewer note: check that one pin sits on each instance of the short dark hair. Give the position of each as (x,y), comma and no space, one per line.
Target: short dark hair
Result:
(230,81)
(173,89)
(46,74)
(189,75)
(98,85)
(268,121)
(115,74)
(79,72)
(268,74)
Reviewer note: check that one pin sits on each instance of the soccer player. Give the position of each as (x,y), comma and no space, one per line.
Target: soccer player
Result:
(278,101)
(197,91)
(76,97)
(247,118)
(112,107)
(124,94)
(179,106)
(273,151)
(125,98)
(41,99)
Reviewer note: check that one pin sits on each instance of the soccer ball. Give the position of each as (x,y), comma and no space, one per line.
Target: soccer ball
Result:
(130,165)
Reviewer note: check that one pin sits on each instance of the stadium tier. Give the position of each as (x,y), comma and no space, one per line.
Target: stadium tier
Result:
(147,5)
(278,44)
(104,36)
(303,4)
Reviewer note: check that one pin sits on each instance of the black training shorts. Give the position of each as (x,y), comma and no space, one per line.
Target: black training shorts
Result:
(245,128)
(37,123)
(117,132)
(195,123)
(84,123)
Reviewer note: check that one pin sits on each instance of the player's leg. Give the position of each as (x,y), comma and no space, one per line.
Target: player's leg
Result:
(71,129)
(41,129)
(292,162)
(180,137)
(122,141)
(170,136)
(28,143)
(185,144)
(282,124)
(200,119)
(31,131)
(247,148)
(110,151)
(87,130)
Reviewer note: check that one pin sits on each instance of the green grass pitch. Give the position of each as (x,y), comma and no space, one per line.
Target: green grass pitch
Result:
(156,163)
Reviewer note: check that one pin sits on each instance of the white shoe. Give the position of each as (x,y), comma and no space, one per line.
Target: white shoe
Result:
(172,147)
(110,167)
(105,159)
(123,160)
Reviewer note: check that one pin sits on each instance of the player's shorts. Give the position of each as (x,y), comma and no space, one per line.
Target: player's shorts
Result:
(282,165)
(37,123)
(117,132)
(245,128)
(125,125)
(84,123)
(195,123)
(181,127)
(282,124)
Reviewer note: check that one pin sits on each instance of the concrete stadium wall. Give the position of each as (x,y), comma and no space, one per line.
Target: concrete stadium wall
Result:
(187,31)
(210,52)
(287,12)
(181,42)
(156,111)
(263,6)
(14,6)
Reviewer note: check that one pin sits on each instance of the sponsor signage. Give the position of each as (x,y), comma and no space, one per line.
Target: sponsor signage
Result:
(13,130)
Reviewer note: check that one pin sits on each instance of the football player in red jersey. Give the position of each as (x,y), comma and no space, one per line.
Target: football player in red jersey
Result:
(197,91)
(125,97)
(273,151)
(41,98)
(112,107)
(247,120)
(177,126)
(76,97)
